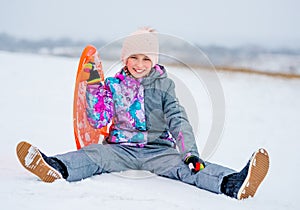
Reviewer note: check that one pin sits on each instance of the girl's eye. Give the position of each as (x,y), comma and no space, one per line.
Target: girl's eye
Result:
(147,59)
(133,57)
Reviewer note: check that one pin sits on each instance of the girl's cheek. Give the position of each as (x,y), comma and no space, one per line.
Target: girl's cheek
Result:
(129,63)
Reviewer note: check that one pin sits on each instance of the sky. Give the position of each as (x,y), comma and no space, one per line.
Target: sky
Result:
(271,23)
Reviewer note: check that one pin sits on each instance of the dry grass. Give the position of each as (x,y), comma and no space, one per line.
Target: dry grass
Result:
(241,70)
(253,71)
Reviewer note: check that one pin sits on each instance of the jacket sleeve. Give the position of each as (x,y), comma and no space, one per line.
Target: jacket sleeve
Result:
(178,123)
(100,108)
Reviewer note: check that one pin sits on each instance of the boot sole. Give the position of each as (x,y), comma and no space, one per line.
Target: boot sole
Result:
(258,169)
(31,159)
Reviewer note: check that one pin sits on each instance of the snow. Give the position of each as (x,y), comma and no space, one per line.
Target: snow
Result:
(36,105)
(30,156)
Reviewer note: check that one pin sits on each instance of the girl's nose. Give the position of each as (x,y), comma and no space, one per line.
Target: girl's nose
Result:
(139,63)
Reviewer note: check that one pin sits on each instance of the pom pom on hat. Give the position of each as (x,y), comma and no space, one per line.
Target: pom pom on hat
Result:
(143,41)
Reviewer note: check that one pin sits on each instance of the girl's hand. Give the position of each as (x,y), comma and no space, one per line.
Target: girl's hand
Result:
(91,74)
(94,77)
(195,163)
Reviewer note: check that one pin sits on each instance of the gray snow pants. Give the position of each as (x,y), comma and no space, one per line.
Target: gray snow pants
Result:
(161,160)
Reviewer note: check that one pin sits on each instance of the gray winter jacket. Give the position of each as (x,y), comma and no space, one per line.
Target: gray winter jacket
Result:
(142,111)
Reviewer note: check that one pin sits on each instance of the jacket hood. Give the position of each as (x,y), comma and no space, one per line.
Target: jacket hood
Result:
(157,72)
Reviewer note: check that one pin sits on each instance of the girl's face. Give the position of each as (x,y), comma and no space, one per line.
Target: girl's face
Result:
(139,65)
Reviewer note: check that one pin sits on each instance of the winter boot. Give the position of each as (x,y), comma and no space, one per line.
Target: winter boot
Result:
(48,169)
(245,183)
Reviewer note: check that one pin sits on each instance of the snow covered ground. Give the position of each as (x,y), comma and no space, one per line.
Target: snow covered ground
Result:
(36,94)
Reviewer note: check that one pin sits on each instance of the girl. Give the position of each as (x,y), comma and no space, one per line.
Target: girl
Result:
(149,131)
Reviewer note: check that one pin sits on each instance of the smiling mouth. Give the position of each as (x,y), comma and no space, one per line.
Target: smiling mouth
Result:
(139,70)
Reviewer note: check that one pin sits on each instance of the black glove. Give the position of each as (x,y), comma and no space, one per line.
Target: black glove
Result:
(94,76)
(195,163)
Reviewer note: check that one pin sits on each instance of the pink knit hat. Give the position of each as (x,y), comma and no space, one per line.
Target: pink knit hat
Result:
(143,41)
